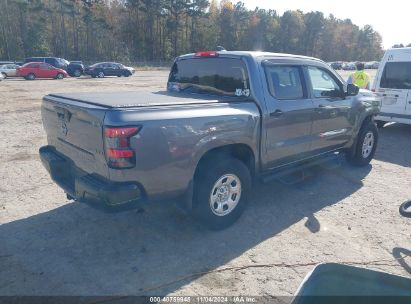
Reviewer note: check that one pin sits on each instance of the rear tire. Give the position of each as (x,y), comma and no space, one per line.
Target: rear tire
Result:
(221,190)
(365,147)
(31,76)
(100,75)
(380,124)
(5,75)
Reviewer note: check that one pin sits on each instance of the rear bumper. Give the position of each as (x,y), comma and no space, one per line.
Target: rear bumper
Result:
(89,188)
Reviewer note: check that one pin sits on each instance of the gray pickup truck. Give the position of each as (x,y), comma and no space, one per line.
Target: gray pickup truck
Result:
(226,120)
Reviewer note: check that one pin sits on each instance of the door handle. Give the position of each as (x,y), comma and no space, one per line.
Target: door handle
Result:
(276,113)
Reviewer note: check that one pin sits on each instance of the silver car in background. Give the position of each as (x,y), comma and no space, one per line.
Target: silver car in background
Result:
(9,70)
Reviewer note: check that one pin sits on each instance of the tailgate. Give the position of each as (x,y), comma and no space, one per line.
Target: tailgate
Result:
(75,130)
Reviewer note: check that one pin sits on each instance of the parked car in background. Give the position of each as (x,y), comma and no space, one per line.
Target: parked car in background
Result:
(375,65)
(33,70)
(371,65)
(348,66)
(6,62)
(74,68)
(393,84)
(9,70)
(336,65)
(103,69)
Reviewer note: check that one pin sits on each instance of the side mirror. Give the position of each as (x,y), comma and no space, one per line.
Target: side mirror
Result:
(352,90)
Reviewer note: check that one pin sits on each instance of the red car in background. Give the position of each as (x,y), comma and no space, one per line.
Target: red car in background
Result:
(33,70)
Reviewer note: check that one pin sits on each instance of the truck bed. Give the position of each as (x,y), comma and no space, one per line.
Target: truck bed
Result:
(134,99)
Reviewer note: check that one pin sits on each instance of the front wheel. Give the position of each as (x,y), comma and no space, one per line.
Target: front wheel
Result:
(365,147)
(59,76)
(221,191)
(101,75)
(4,75)
(77,73)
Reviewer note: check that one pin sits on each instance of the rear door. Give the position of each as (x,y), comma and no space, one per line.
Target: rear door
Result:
(332,126)
(45,71)
(288,124)
(395,86)
(110,69)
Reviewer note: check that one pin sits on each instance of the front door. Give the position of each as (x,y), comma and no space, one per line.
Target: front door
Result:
(332,122)
(44,71)
(289,118)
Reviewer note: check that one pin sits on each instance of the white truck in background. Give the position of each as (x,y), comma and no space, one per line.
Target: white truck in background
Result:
(393,84)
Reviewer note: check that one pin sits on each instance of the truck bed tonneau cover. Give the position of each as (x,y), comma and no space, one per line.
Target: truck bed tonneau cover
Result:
(137,98)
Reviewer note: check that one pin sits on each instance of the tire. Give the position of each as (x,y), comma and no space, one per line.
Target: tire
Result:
(31,76)
(100,75)
(5,75)
(60,76)
(365,147)
(212,182)
(77,73)
(404,207)
(380,124)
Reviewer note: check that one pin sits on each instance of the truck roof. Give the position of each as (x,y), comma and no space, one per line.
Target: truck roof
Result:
(257,54)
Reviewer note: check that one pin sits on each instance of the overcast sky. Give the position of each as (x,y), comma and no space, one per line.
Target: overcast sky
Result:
(391,19)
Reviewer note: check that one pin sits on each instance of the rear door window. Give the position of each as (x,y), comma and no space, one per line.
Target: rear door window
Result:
(285,82)
(396,75)
(44,66)
(217,76)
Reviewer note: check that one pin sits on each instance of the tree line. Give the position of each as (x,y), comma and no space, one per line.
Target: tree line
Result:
(159,30)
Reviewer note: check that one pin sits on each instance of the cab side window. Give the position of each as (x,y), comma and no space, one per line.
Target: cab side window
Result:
(323,83)
(285,82)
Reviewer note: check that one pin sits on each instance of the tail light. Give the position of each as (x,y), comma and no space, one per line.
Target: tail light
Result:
(117,144)
(206,54)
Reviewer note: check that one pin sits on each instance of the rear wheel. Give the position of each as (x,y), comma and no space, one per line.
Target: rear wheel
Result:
(31,76)
(221,191)
(60,76)
(100,74)
(5,75)
(365,147)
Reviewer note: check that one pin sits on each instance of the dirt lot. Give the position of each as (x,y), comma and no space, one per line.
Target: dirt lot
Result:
(51,246)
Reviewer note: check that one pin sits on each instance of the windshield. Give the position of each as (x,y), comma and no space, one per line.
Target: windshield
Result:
(217,76)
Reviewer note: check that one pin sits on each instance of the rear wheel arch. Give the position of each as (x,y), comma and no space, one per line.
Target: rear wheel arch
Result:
(242,152)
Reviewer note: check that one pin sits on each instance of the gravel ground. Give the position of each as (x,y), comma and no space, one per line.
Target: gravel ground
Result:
(52,246)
